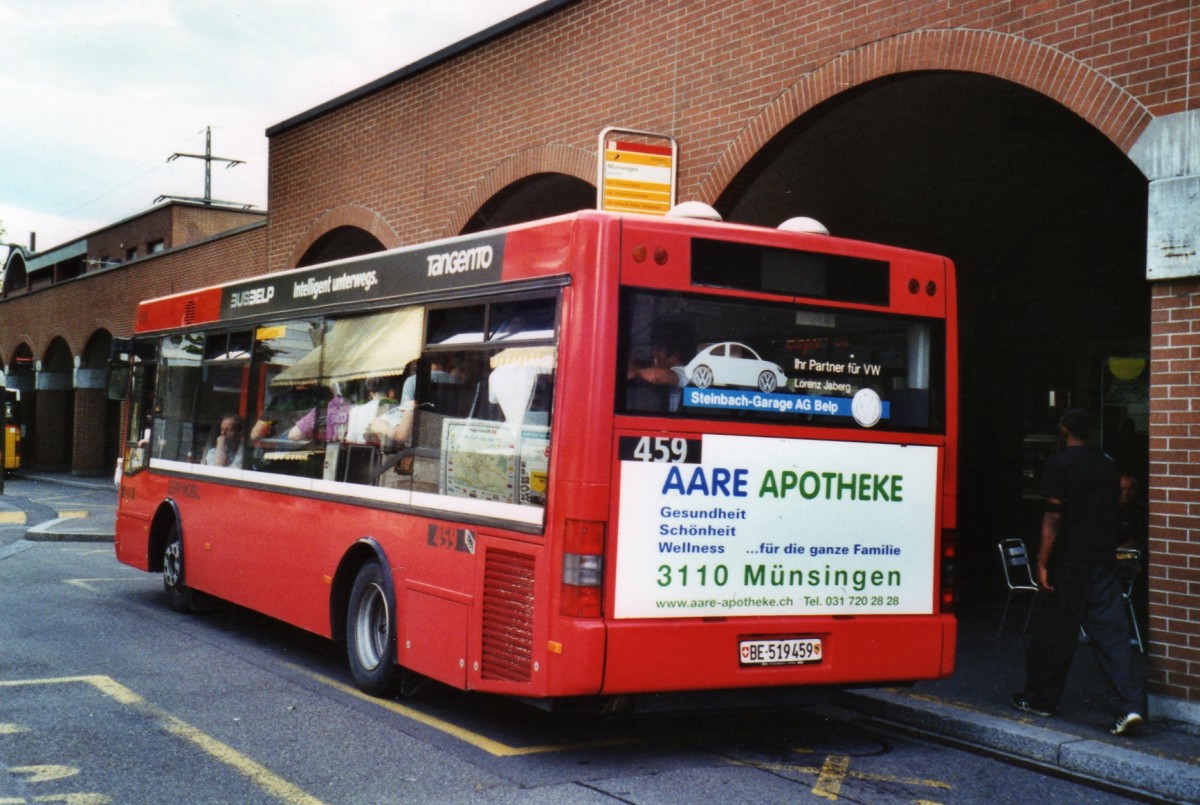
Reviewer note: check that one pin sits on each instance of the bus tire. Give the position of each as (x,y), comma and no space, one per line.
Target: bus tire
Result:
(371,632)
(179,597)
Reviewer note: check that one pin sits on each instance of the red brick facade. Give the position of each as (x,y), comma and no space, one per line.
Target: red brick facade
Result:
(420,156)
(105,301)
(722,78)
(416,157)
(1175,488)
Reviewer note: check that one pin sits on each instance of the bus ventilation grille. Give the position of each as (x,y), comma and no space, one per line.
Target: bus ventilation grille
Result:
(189,312)
(507,617)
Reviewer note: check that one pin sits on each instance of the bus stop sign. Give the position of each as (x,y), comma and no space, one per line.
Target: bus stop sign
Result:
(637,171)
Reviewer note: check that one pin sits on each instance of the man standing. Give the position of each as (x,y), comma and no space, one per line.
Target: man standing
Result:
(1077,571)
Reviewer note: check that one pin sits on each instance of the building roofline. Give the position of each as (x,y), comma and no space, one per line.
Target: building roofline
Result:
(128,264)
(31,256)
(421,65)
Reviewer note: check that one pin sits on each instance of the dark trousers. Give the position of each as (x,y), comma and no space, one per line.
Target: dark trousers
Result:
(1087,595)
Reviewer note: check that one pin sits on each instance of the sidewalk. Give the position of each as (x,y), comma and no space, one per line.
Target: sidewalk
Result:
(91,528)
(970,708)
(973,708)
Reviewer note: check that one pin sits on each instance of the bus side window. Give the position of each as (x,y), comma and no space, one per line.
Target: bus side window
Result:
(138,438)
(287,373)
(221,400)
(178,387)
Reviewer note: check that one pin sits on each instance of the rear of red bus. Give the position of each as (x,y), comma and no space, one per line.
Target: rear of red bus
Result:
(771,501)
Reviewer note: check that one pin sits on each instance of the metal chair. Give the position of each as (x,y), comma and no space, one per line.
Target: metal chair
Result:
(1129,565)
(1018,575)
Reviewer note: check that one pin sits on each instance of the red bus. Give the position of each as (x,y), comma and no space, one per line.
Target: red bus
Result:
(588,457)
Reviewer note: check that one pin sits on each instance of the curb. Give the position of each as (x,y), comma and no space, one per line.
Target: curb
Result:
(67,529)
(1121,767)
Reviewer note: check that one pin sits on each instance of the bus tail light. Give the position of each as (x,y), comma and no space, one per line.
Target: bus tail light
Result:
(583,569)
(949,569)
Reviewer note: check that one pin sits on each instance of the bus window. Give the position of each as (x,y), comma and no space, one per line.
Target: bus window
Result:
(287,365)
(369,415)
(220,429)
(483,414)
(526,320)
(174,428)
(731,358)
(456,325)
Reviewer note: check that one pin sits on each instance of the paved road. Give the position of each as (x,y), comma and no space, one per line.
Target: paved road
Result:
(54,518)
(109,697)
(50,507)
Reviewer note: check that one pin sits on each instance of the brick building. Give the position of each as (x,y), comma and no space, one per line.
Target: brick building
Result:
(61,308)
(1050,149)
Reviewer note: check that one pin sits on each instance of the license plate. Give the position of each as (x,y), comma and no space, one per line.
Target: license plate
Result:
(793,651)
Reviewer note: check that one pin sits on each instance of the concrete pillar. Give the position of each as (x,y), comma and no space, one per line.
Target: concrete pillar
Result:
(1168,153)
(87,447)
(54,417)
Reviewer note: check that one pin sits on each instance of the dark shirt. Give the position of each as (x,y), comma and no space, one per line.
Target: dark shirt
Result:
(1088,483)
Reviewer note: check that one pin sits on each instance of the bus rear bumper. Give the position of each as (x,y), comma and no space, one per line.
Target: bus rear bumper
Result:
(660,656)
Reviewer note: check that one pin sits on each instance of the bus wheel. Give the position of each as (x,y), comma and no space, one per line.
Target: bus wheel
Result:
(702,377)
(371,632)
(179,597)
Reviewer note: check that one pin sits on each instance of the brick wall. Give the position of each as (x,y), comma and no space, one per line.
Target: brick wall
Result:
(191,224)
(722,77)
(175,224)
(1175,488)
(417,158)
(75,310)
(87,454)
(112,244)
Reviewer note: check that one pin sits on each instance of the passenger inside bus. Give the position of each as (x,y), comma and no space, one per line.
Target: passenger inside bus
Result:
(228,449)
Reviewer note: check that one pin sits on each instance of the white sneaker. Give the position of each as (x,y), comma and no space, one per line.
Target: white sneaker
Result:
(1128,724)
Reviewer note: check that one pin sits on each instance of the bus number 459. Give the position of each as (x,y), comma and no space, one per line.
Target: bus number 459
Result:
(673,450)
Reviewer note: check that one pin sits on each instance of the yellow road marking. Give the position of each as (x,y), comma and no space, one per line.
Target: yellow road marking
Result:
(73,515)
(489,745)
(12,518)
(12,729)
(829,781)
(86,584)
(266,780)
(836,769)
(61,799)
(43,773)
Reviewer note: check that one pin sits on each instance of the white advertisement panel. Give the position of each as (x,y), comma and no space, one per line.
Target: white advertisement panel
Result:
(732,525)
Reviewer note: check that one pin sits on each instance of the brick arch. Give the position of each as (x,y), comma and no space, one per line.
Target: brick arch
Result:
(346,215)
(94,354)
(565,159)
(1088,93)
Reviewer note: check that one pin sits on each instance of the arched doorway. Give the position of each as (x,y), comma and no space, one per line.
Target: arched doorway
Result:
(19,376)
(97,428)
(339,243)
(533,197)
(1045,220)
(54,404)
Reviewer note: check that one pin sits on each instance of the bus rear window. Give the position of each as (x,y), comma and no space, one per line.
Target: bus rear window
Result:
(723,358)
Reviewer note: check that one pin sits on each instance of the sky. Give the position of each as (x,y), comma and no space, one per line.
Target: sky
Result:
(97,95)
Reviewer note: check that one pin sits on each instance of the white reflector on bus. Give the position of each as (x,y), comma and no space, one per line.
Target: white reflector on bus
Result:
(694,209)
(802,223)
